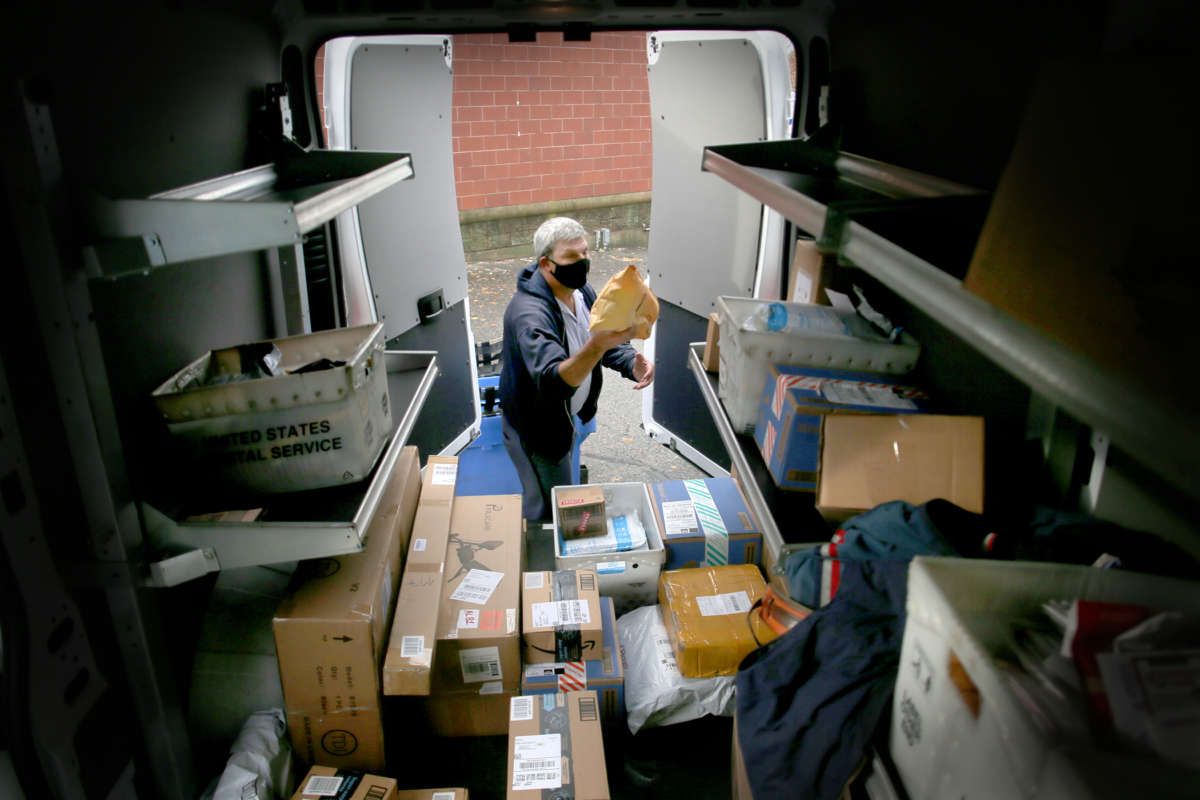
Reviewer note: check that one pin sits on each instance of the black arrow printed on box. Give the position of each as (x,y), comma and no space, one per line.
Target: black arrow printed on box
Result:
(343,638)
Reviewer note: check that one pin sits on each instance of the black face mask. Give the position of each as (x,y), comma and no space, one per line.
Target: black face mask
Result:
(572,276)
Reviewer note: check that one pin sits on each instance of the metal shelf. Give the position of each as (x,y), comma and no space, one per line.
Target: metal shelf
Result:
(313,524)
(1145,425)
(772,540)
(256,209)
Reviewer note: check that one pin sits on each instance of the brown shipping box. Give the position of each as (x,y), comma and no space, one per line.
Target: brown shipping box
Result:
(868,460)
(330,633)
(469,713)
(706,613)
(580,511)
(323,782)
(478,628)
(554,742)
(711,361)
(430,794)
(810,275)
(560,616)
(407,667)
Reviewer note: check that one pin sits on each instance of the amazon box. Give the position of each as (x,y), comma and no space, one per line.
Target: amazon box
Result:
(322,783)
(471,712)
(408,665)
(555,743)
(330,633)
(868,460)
(560,616)
(810,275)
(706,613)
(478,630)
(580,511)
(604,673)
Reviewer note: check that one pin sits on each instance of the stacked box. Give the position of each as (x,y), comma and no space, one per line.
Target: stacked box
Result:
(555,747)
(795,399)
(407,667)
(871,459)
(706,522)
(706,614)
(605,673)
(629,577)
(324,782)
(330,633)
(560,616)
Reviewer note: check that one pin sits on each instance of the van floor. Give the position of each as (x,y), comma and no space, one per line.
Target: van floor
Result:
(690,759)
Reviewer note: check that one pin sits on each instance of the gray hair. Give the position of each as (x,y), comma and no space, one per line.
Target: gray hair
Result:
(553,231)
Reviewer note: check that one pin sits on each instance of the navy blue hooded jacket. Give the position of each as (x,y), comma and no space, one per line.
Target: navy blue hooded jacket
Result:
(535,399)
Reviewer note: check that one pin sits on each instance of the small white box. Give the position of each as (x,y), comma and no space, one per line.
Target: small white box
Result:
(630,578)
(964,608)
(745,355)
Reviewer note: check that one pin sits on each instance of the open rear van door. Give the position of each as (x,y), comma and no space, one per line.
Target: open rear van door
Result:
(706,237)
(401,252)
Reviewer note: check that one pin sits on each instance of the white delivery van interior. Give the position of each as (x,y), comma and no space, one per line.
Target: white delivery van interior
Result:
(174,186)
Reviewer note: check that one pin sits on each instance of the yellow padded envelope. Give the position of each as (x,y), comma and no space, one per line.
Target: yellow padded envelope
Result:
(625,301)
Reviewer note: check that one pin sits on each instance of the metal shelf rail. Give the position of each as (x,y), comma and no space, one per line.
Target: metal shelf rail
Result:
(256,209)
(772,540)
(1143,424)
(326,522)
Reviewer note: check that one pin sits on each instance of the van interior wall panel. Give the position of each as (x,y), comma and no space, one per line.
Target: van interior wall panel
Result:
(939,86)
(453,399)
(678,404)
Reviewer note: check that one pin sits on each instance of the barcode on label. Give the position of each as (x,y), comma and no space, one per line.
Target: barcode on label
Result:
(412,646)
(323,785)
(587,709)
(419,545)
(490,668)
(521,709)
(587,582)
(533,764)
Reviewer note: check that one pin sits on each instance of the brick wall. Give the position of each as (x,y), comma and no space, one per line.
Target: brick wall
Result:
(547,120)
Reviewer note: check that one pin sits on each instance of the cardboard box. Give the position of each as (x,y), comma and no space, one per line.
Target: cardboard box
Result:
(629,577)
(712,344)
(868,460)
(330,633)
(705,611)
(794,401)
(322,783)
(408,665)
(554,742)
(478,630)
(604,674)
(580,511)
(431,794)
(810,275)
(1068,243)
(706,522)
(560,616)
(469,713)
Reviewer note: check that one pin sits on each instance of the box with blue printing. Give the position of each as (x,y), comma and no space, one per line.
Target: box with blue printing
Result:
(793,401)
(605,673)
(706,521)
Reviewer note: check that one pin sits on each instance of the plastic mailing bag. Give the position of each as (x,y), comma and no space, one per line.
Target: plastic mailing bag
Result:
(656,693)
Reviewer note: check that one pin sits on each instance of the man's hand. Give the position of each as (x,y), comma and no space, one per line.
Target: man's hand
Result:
(576,368)
(603,341)
(643,372)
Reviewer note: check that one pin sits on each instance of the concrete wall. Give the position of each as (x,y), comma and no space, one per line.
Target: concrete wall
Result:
(507,232)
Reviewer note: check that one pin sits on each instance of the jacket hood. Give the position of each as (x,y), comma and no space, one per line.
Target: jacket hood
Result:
(531,280)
